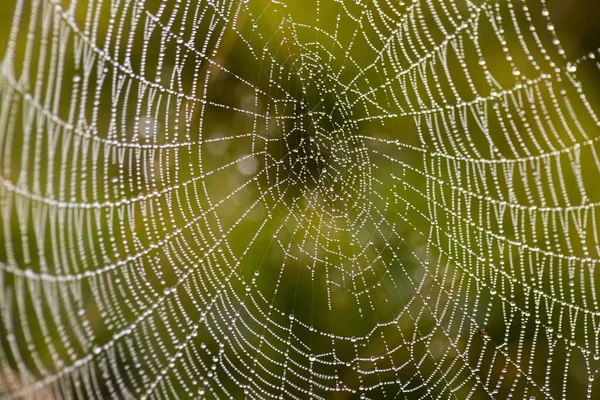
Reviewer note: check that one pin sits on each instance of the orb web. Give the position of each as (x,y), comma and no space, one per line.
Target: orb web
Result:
(285,199)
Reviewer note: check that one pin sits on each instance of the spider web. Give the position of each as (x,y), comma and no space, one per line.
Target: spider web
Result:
(294,199)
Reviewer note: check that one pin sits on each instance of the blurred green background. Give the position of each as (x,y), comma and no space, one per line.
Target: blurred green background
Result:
(248,199)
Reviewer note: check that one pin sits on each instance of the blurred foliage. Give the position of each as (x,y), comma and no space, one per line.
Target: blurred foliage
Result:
(289,218)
